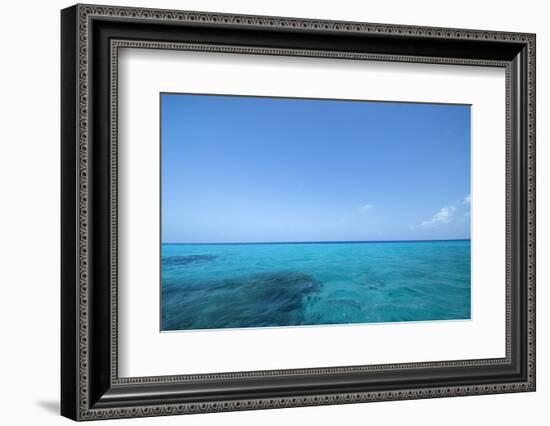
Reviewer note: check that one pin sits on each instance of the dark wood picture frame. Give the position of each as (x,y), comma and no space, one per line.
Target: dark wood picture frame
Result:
(90,38)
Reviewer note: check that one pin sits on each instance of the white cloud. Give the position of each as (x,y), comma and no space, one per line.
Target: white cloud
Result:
(443,216)
(366,207)
(467,199)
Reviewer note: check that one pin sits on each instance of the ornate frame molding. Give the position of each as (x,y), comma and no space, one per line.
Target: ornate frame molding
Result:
(80,19)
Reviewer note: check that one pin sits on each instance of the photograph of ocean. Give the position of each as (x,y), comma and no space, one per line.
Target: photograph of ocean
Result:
(309,212)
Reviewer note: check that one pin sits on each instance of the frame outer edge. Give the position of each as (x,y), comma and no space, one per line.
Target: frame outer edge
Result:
(531,197)
(84,193)
(69,189)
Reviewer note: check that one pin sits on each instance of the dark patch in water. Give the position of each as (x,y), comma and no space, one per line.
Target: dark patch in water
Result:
(186,260)
(259,300)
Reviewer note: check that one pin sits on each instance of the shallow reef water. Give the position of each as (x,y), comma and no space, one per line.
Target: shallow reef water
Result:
(210,286)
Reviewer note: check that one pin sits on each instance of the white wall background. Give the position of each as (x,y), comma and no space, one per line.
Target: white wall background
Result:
(29,212)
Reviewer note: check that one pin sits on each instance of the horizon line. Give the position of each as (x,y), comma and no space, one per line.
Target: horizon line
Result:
(316,242)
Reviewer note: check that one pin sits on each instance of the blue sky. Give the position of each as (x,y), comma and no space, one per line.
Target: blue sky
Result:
(251,169)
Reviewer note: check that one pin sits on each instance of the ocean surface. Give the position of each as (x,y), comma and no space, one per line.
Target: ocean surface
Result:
(208,286)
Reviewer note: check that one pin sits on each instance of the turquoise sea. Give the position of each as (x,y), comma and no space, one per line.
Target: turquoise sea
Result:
(208,286)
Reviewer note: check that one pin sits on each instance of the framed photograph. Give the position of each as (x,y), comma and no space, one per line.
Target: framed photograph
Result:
(263,212)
